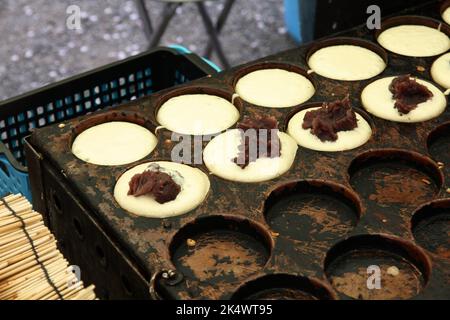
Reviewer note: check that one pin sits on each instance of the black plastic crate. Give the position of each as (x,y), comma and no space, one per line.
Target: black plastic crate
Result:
(106,86)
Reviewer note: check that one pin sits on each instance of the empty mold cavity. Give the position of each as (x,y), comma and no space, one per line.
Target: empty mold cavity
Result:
(431,227)
(439,144)
(220,249)
(347,59)
(113,138)
(445,11)
(312,210)
(195,110)
(391,177)
(284,287)
(377,267)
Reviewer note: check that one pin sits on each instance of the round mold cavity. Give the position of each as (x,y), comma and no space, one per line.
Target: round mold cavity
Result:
(115,116)
(444,7)
(111,116)
(312,210)
(393,177)
(284,287)
(439,143)
(439,73)
(430,226)
(376,99)
(273,65)
(270,65)
(349,41)
(196,189)
(220,249)
(412,20)
(361,112)
(377,267)
(189,90)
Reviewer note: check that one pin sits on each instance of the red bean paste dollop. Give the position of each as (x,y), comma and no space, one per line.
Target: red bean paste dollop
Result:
(408,93)
(158,184)
(331,118)
(267,141)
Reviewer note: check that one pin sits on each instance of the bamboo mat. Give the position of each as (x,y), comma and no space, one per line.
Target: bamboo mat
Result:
(31,266)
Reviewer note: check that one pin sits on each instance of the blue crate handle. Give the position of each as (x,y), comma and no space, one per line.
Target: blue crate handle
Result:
(185,50)
(12,179)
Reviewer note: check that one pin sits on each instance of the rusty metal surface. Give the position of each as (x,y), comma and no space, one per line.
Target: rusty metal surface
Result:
(328,218)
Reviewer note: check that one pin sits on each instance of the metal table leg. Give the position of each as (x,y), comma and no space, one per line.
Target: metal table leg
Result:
(154,36)
(220,24)
(169,11)
(145,18)
(212,34)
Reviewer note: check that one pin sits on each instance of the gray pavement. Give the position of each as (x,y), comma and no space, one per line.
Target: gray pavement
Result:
(37,48)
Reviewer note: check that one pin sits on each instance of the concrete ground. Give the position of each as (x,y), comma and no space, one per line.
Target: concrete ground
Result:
(37,48)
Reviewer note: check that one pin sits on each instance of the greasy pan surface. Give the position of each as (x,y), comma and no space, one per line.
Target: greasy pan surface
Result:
(309,234)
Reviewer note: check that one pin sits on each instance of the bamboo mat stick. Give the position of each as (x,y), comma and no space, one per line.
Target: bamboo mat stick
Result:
(22,248)
(34,231)
(43,254)
(18,257)
(11,236)
(17,208)
(23,265)
(29,272)
(33,282)
(31,266)
(25,216)
(21,243)
(42,288)
(72,291)
(18,282)
(29,282)
(15,225)
(18,286)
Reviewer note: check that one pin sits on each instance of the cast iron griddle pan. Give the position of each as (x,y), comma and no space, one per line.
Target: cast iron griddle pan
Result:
(317,232)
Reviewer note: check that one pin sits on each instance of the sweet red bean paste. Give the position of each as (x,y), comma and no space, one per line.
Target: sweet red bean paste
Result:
(408,93)
(158,184)
(329,119)
(261,142)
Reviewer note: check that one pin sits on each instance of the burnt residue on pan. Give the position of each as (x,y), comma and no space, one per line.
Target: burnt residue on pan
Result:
(395,178)
(284,287)
(220,249)
(439,145)
(374,267)
(312,210)
(310,233)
